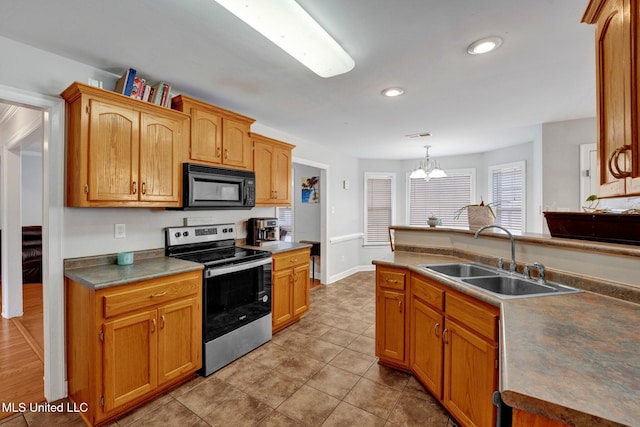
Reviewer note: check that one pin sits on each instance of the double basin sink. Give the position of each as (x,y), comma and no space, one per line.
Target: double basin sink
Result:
(500,283)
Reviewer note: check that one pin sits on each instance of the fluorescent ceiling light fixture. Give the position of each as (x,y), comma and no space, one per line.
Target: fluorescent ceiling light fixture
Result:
(393,91)
(291,28)
(484,45)
(428,168)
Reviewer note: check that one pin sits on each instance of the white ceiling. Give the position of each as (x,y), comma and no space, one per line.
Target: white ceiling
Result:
(544,71)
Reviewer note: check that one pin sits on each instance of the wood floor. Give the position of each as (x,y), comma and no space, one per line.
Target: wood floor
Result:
(21,352)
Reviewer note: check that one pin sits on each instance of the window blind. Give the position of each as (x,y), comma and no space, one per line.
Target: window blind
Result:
(440,197)
(507,185)
(379,210)
(285,222)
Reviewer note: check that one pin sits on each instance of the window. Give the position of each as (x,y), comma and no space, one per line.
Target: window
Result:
(379,213)
(507,191)
(285,222)
(440,197)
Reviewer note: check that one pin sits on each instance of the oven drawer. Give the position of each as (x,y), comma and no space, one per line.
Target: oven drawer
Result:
(291,259)
(148,293)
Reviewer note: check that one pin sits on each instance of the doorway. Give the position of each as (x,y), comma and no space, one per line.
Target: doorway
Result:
(52,109)
(309,211)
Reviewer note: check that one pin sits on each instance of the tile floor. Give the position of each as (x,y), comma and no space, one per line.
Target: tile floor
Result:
(321,371)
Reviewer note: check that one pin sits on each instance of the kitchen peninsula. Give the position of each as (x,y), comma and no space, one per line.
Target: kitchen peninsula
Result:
(570,358)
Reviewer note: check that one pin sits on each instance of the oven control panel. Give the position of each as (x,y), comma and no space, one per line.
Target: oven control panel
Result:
(199,234)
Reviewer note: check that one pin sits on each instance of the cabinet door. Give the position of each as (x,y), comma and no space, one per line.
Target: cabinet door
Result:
(426,357)
(206,137)
(179,339)
(236,148)
(160,146)
(281,178)
(129,358)
(390,326)
(282,297)
(470,376)
(263,164)
(613,50)
(301,289)
(113,149)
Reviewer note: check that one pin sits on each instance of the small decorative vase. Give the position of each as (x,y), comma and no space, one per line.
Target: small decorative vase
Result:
(432,221)
(479,216)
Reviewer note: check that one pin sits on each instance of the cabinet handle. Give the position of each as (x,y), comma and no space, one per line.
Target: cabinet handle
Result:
(444,336)
(614,163)
(135,187)
(144,188)
(293,260)
(217,151)
(435,330)
(159,294)
(400,306)
(153,325)
(162,321)
(226,154)
(391,280)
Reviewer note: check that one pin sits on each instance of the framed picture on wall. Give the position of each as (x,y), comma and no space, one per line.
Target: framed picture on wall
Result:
(310,190)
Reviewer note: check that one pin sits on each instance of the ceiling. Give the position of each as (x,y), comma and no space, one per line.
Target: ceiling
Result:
(543,72)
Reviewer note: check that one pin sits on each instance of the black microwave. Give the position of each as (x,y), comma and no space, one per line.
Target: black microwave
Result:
(206,187)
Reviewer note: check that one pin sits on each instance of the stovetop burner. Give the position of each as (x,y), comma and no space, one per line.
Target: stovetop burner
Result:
(224,256)
(211,245)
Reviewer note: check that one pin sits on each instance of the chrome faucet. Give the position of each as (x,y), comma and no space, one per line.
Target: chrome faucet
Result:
(512,265)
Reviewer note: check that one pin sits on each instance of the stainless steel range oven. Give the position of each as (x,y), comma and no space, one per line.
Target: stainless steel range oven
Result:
(236,306)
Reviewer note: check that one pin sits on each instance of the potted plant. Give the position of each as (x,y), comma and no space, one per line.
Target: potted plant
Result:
(433,220)
(478,215)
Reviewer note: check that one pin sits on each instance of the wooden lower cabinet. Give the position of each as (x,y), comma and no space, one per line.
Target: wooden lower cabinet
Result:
(451,342)
(391,317)
(470,375)
(126,344)
(290,287)
(526,419)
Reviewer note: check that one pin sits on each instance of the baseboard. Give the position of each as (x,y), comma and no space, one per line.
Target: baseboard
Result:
(349,272)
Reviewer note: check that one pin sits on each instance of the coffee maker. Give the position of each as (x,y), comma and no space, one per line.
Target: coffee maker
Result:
(262,231)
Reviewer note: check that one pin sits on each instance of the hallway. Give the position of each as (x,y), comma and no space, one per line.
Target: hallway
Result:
(21,352)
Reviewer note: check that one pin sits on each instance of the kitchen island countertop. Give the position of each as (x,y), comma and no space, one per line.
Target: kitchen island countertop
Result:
(572,358)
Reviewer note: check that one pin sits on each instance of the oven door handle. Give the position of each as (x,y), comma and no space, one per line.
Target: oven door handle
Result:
(213,272)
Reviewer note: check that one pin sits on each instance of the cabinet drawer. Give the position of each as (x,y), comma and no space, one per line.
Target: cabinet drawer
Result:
(476,315)
(393,279)
(427,292)
(150,293)
(290,259)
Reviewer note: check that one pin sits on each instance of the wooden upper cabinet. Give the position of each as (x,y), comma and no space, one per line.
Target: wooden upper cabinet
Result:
(218,137)
(618,75)
(272,163)
(121,152)
(113,152)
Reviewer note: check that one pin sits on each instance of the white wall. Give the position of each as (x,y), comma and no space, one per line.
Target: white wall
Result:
(561,169)
(307,216)
(31,188)
(90,231)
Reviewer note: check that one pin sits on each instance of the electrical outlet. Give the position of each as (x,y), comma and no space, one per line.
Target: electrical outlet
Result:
(119,231)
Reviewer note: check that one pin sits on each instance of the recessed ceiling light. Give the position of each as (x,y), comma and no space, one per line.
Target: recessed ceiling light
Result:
(484,45)
(393,91)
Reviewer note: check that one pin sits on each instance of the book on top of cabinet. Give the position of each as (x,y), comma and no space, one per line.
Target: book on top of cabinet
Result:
(124,85)
(132,85)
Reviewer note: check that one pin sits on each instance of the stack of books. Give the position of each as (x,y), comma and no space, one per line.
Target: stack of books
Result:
(137,87)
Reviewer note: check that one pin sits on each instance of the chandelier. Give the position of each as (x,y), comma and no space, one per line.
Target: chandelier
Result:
(428,168)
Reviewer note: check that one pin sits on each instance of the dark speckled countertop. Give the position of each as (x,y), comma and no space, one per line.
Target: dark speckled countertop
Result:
(574,358)
(105,275)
